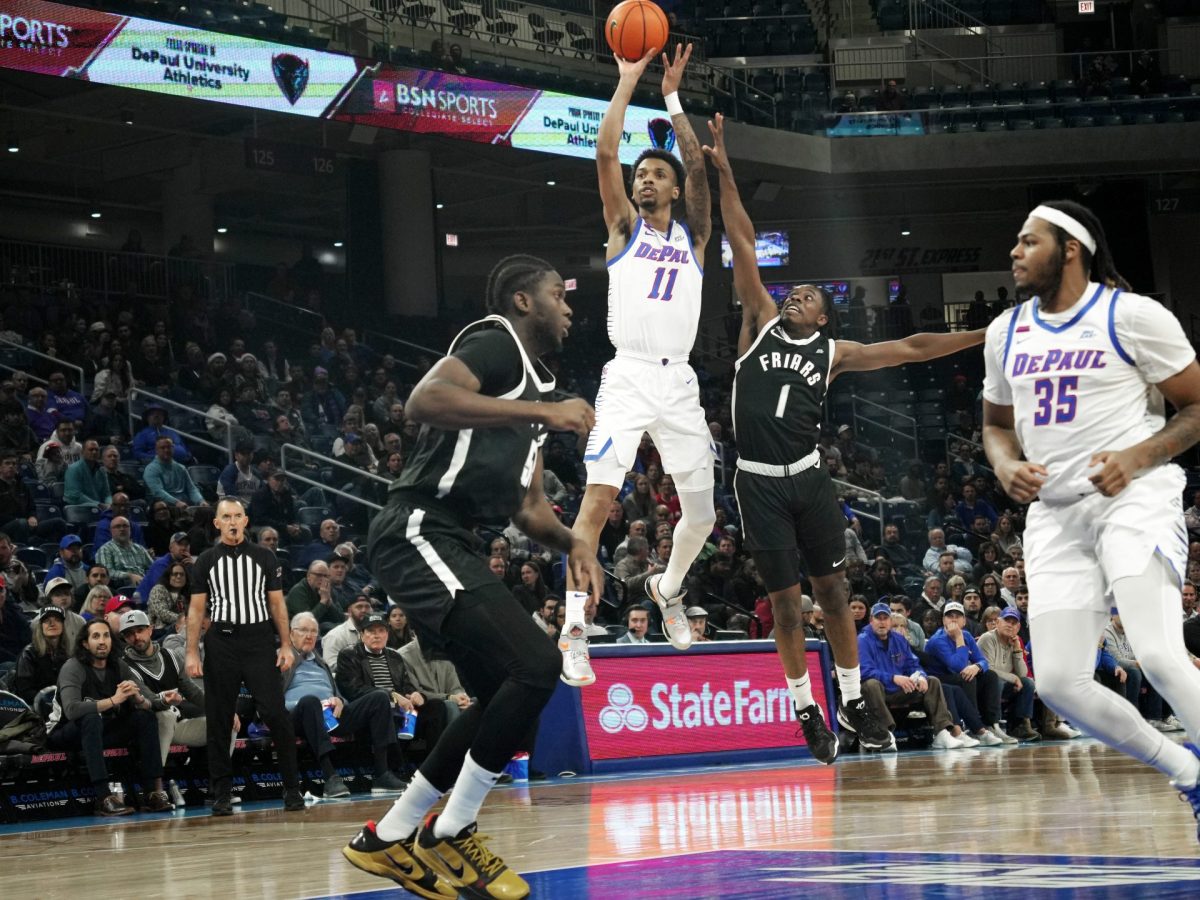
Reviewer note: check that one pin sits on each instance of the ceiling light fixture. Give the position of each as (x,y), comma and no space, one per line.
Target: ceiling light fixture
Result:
(337,243)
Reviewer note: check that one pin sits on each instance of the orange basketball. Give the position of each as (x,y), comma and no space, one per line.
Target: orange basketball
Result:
(634,27)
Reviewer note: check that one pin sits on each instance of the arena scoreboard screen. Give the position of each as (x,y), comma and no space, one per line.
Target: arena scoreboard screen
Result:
(107,48)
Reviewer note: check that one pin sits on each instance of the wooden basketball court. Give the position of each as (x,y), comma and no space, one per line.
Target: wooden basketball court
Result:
(1073,817)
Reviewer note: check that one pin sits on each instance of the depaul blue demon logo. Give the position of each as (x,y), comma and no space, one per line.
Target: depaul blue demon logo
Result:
(291,74)
(662,134)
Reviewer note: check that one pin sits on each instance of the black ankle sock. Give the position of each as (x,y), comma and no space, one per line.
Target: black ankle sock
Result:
(381,760)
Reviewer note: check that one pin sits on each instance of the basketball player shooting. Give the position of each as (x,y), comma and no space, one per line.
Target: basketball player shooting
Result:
(786,361)
(654,282)
(1074,419)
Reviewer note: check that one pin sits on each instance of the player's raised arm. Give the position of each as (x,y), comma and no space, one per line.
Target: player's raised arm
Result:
(619,214)
(855,357)
(699,203)
(757,306)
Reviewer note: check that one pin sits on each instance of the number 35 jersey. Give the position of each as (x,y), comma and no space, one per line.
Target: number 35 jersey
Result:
(654,289)
(1082,380)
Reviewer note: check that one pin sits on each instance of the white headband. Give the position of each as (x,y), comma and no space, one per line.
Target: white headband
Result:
(1071,226)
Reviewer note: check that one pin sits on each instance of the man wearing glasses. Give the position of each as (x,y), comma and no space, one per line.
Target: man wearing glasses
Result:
(315,595)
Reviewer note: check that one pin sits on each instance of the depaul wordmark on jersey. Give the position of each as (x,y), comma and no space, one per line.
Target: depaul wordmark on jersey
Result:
(1058,361)
(793,361)
(665,253)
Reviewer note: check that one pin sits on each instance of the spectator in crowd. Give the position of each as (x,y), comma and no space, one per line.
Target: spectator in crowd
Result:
(324,547)
(70,404)
(95,601)
(178,701)
(105,421)
(1005,537)
(64,436)
(615,527)
(989,563)
(938,546)
(167,480)
(697,617)
(883,577)
(902,622)
(274,504)
(1150,704)
(86,481)
(14,630)
(50,465)
(120,482)
(370,666)
(637,623)
(169,597)
(115,378)
(19,580)
(239,479)
(146,442)
(314,594)
(895,550)
(17,508)
(40,661)
(892,678)
(343,592)
(161,527)
(972,602)
(543,616)
(1006,657)
(532,590)
(179,550)
(42,420)
(892,100)
(16,437)
(955,588)
(1010,581)
(1110,673)
(989,590)
(400,633)
(70,562)
(436,678)
(268,537)
(115,607)
(98,705)
(661,555)
(324,406)
(309,687)
(591,628)
(127,562)
(640,503)
(1188,599)
(636,558)
(931,600)
(346,634)
(120,507)
(956,659)
(149,366)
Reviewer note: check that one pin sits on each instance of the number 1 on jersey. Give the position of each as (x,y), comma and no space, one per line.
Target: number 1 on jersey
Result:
(783,395)
(658,277)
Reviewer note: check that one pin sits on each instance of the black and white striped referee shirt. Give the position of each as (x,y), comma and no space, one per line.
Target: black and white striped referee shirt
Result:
(237,579)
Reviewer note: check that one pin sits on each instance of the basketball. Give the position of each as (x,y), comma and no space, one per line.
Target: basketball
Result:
(634,27)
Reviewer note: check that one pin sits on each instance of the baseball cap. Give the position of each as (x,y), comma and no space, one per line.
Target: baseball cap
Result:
(55,583)
(134,618)
(97,326)
(68,541)
(952,606)
(351,438)
(180,537)
(117,602)
(372,618)
(1010,612)
(880,609)
(50,610)
(972,590)
(842,428)
(806,603)
(695,612)
(319,371)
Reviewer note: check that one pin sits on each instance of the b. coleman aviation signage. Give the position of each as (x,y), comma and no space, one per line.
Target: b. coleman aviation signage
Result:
(684,704)
(125,51)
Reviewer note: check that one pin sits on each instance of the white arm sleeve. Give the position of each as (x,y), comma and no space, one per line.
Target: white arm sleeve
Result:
(996,388)
(1151,335)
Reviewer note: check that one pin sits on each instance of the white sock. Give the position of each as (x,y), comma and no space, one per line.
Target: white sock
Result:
(801,690)
(575,602)
(406,813)
(850,683)
(470,790)
(696,521)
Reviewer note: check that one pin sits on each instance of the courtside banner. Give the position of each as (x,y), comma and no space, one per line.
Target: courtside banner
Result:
(490,112)
(124,51)
(692,703)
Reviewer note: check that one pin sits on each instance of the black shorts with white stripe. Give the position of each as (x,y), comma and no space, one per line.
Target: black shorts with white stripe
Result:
(424,557)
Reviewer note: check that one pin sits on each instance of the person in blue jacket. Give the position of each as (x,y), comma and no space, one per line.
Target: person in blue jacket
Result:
(155,417)
(892,678)
(954,657)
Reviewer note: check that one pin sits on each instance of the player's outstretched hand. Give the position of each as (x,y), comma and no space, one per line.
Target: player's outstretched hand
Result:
(1117,469)
(584,570)
(570,415)
(1021,479)
(673,69)
(635,67)
(716,153)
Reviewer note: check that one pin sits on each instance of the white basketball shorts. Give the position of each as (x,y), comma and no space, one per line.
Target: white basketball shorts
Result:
(637,396)
(1075,551)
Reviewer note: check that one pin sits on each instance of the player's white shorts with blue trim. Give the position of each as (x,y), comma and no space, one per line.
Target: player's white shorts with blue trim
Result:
(1074,551)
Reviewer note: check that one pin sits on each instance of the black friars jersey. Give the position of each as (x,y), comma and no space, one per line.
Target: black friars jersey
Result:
(481,474)
(779,389)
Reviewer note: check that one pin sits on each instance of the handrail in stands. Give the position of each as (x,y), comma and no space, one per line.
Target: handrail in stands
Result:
(190,410)
(370,336)
(855,400)
(54,359)
(28,375)
(861,493)
(326,461)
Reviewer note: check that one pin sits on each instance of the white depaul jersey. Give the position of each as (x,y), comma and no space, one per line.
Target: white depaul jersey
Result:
(654,289)
(1082,380)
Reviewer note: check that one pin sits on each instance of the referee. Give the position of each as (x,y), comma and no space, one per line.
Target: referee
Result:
(242,582)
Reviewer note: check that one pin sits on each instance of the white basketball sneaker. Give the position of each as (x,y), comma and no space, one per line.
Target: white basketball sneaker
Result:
(576,664)
(675,623)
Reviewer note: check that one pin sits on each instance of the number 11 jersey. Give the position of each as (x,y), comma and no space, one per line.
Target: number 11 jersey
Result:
(654,287)
(1082,380)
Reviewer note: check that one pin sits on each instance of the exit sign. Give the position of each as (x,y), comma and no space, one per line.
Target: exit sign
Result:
(1087,6)
(570,284)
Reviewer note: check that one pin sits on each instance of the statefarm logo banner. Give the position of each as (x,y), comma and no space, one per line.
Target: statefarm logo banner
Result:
(124,51)
(474,109)
(701,703)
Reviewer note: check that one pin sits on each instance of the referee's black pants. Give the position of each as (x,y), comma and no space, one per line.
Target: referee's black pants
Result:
(234,654)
